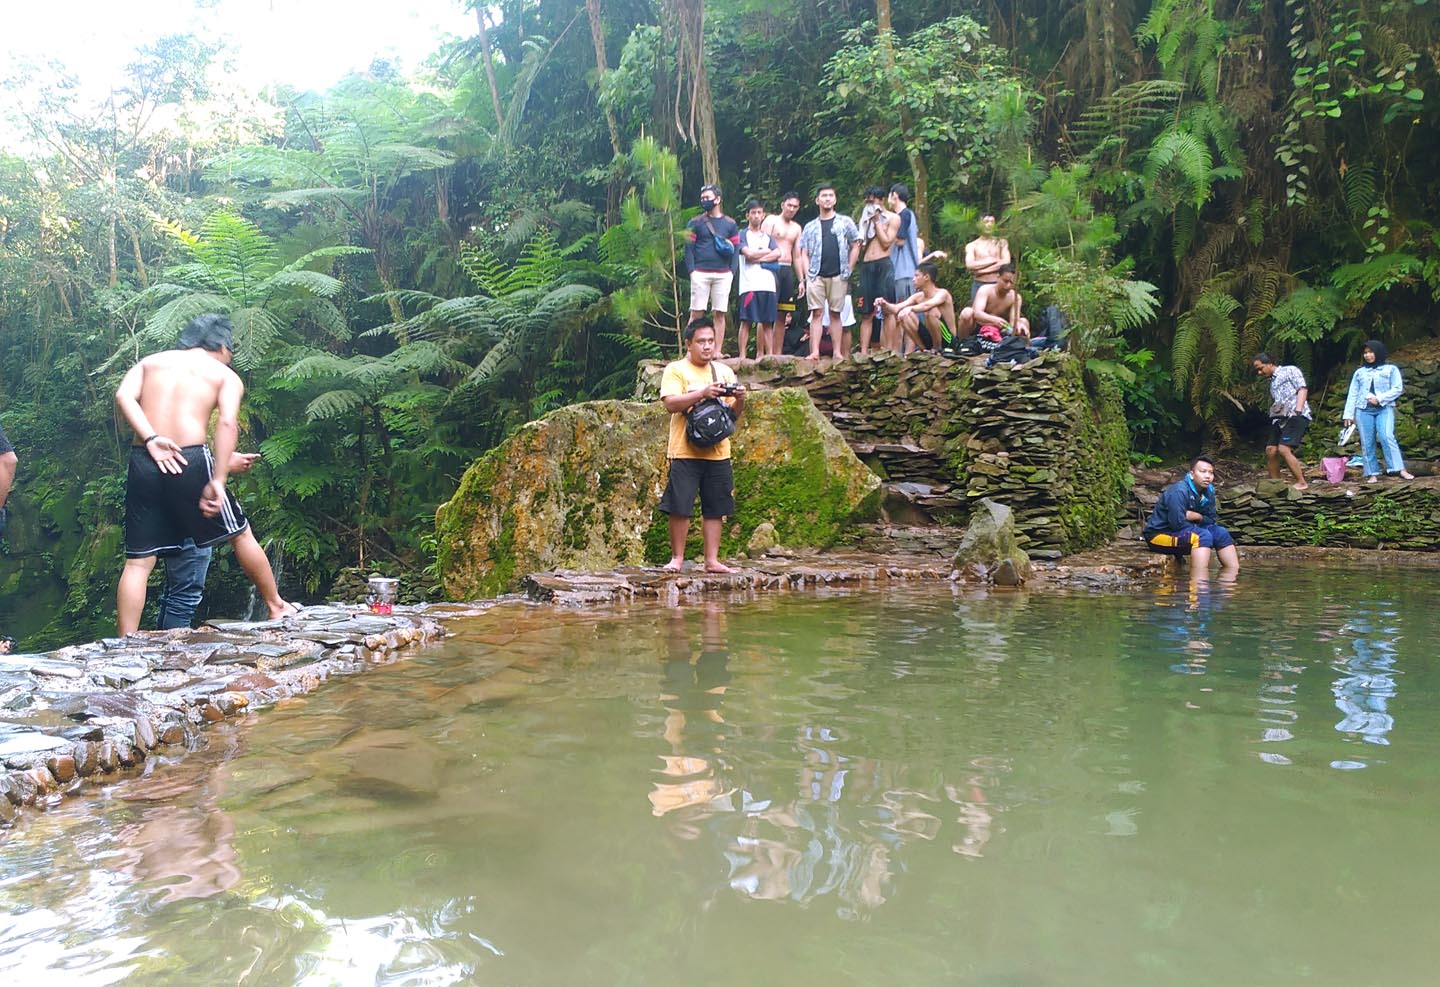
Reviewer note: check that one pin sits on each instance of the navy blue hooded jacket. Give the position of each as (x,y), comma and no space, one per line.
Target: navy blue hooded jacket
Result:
(1169,513)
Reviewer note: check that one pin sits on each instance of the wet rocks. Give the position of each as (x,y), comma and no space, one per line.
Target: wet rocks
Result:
(570,588)
(87,711)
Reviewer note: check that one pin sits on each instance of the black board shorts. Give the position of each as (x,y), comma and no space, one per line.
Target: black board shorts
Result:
(877,280)
(712,479)
(163,509)
(1289,431)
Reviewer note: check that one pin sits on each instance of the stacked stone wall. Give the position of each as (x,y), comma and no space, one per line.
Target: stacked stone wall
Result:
(1394,514)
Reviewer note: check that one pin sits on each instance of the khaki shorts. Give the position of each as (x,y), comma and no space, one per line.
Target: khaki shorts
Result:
(826,293)
(710,290)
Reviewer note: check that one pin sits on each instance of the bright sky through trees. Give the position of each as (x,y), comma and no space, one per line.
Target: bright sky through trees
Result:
(307,43)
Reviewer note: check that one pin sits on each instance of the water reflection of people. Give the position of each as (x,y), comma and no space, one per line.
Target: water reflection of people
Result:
(1367,682)
(1184,609)
(692,690)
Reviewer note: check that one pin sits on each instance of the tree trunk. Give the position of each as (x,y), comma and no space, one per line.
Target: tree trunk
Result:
(489,67)
(918,172)
(698,126)
(114,259)
(140,273)
(597,35)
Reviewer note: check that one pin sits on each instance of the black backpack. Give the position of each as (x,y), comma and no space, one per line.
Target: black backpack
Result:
(709,420)
(1012,349)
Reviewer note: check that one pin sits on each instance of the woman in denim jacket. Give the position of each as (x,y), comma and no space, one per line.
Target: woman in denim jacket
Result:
(1371,405)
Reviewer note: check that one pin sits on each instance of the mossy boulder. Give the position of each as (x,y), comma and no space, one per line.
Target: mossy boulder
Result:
(578,489)
(989,551)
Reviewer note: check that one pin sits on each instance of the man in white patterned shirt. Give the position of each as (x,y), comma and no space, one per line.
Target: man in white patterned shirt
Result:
(1289,416)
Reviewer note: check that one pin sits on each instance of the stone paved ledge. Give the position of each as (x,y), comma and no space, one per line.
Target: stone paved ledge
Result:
(626,584)
(94,711)
(1114,566)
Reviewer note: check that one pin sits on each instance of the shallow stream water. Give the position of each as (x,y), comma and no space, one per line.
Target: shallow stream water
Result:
(1236,784)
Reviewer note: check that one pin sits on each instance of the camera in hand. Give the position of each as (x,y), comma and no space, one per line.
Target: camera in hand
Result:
(729,390)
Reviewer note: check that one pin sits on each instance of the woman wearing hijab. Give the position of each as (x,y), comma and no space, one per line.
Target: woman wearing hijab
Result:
(1374,390)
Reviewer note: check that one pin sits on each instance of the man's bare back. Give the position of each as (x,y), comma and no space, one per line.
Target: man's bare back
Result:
(179,392)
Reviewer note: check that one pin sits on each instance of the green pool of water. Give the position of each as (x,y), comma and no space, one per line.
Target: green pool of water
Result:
(1235,785)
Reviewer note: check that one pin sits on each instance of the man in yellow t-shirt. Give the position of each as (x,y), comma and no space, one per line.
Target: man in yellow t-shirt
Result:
(693,470)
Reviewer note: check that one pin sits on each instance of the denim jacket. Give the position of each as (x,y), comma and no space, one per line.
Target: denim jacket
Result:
(1383,381)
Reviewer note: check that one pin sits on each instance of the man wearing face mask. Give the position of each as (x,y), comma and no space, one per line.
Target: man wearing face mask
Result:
(714,239)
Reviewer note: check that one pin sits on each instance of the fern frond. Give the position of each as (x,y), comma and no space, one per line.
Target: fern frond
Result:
(324,253)
(255,330)
(1183,161)
(1359,190)
(1306,315)
(283,446)
(309,282)
(1130,109)
(333,404)
(1361,281)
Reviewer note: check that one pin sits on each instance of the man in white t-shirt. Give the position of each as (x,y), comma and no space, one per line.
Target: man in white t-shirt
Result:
(694,470)
(758,298)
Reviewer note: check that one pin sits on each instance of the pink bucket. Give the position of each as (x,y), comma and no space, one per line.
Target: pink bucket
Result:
(1334,467)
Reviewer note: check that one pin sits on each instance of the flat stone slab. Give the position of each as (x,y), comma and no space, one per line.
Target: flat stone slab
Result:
(89,711)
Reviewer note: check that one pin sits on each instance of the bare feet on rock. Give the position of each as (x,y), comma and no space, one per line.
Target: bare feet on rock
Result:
(285,609)
(720,567)
(1302,486)
(1406,475)
(673,565)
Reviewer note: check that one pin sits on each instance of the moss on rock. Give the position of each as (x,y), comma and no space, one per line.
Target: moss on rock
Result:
(578,489)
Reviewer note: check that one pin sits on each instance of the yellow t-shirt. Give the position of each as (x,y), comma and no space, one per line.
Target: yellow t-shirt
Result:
(682,376)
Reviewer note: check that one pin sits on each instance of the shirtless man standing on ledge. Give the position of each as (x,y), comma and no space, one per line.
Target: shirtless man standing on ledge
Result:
(175,488)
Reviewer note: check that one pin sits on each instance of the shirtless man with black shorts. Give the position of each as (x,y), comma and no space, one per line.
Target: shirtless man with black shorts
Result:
(985,255)
(878,229)
(786,231)
(176,489)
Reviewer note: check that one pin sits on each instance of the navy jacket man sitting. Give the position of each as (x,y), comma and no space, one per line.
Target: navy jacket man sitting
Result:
(1184,521)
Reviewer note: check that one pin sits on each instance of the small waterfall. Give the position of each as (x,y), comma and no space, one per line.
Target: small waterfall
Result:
(276,554)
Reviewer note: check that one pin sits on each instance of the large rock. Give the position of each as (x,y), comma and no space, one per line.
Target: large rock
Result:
(578,490)
(989,551)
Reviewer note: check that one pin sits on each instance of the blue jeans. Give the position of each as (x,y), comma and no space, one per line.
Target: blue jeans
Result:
(184,586)
(1379,423)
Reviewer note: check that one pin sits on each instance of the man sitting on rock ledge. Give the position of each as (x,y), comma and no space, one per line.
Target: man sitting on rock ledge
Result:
(175,489)
(1184,522)
(693,470)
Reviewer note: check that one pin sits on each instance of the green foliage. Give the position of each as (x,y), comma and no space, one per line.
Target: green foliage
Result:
(1306,315)
(1207,351)
(237,271)
(1360,281)
(647,245)
(944,86)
